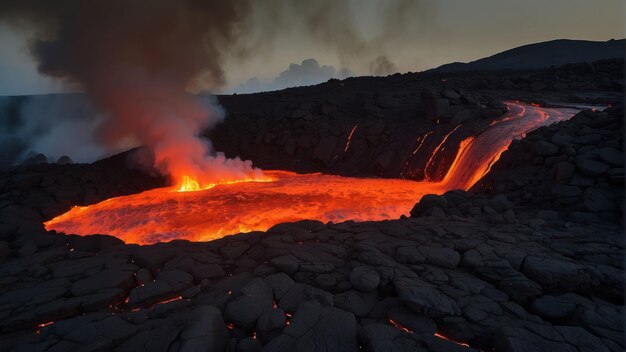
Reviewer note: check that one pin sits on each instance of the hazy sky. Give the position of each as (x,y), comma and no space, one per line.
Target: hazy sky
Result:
(442,31)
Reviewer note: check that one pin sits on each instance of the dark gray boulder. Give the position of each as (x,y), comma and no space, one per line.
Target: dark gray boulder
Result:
(327,329)
(364,278)
(205,331)
(589,167)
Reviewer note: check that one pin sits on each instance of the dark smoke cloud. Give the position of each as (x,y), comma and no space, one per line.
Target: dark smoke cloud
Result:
(86,41)
(138,59)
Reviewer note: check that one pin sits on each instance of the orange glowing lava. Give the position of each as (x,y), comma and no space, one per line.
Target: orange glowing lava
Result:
(188,184)
(244,205)
(399,326)
(448,339)
(350,138)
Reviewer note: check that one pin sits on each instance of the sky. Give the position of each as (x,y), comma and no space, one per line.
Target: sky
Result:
(438,32)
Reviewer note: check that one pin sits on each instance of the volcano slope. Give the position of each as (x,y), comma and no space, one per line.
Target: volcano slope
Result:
(500,269)
(531,259)
(371,126)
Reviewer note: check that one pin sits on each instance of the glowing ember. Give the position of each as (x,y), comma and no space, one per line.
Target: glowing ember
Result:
(42,325)
(439,335)
(421,143)
(398,326)
(350,138)
(448,339)
(177,298)
(251,204)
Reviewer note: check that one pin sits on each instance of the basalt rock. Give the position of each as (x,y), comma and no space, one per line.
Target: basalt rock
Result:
(501,267)
(577,178)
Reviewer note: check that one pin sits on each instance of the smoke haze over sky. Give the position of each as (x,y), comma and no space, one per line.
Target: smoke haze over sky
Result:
(428,34)
(436,32)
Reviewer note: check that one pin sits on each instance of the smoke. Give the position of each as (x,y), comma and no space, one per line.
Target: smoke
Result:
(357,31)
(381,66)
(56,125)
(137,61)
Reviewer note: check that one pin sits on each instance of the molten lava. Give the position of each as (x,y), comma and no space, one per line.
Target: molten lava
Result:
(188,184)
(249,204)
(165,214)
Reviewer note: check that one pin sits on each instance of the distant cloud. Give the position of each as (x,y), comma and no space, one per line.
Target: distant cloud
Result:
(308,73)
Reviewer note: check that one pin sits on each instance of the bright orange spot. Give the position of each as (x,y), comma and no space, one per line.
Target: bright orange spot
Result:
(189,184)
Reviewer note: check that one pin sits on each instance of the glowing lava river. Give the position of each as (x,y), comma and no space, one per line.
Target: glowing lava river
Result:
(165,214)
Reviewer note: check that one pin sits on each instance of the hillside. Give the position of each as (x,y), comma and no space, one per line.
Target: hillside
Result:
(544,54)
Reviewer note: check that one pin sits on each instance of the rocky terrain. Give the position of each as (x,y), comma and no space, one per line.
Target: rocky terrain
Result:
(531,259)
(368,126)
(31,194)
(572,170)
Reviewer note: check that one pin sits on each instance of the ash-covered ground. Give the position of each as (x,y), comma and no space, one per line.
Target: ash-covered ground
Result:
(530,259)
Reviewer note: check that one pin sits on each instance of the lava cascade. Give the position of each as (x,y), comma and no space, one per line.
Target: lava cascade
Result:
(234,206)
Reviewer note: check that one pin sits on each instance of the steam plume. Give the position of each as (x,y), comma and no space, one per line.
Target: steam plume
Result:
(137,60)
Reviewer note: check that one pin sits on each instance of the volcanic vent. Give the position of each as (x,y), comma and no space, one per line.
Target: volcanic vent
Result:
(198,211)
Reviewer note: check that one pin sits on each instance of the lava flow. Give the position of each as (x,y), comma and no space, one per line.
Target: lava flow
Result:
(280,196)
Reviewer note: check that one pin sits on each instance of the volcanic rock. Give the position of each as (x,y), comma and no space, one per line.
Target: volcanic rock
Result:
(412,321)
(443,257)
(540,339)
(123,277)
(64,160)
(328,329)
(205,331)
(286,263)
(427,203)
(364,278)
(450,94)
(358,303)
(553,273)
(544,148)
(590,167)
(35,159)
(531,256)
(249,344)
(425,299)
(611,156)
(255,299)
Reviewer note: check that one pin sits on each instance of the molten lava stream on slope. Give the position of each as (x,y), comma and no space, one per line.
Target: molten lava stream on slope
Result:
(247,205)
